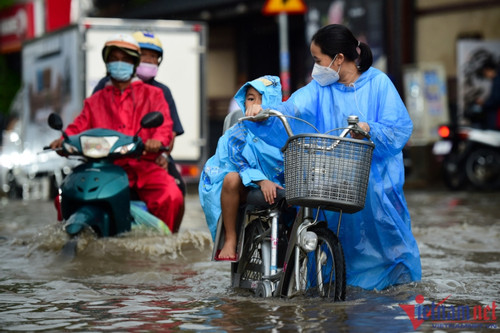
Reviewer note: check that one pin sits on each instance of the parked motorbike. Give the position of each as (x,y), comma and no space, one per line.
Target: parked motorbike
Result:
(96,193)
(469,156)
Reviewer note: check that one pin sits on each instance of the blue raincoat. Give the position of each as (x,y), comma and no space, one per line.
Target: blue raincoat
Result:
(379,247)
(239,150)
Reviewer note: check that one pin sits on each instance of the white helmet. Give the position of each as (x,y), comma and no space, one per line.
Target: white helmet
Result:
(124,42)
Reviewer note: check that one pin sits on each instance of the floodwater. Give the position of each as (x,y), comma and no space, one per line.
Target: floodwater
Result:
(141,282)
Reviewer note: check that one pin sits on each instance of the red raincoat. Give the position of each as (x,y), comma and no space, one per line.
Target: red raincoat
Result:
(122,111)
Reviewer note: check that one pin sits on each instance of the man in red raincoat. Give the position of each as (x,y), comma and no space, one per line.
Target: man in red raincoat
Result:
(120,106)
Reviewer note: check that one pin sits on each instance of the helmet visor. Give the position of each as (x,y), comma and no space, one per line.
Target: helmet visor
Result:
(132,53)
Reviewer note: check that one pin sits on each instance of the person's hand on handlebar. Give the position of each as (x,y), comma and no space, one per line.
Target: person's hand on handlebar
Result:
(152,146)
(56,145)
(253,110)
(268,188)
(365,127)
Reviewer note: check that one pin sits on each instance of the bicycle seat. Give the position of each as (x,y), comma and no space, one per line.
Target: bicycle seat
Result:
(255,199)
(231,119)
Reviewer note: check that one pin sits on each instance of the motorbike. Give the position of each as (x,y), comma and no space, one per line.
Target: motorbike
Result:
(469,157)
(96,193)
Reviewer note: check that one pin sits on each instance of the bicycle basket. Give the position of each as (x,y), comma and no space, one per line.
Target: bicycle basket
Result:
(327,171)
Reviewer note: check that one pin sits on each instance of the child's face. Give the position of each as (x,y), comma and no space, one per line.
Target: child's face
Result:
(252,97)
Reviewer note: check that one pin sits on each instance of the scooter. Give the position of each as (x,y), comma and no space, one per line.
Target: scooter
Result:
(469,156)
(96,193)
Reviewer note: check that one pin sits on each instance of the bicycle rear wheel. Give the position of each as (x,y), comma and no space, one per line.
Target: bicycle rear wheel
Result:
(321,272)
(250,266)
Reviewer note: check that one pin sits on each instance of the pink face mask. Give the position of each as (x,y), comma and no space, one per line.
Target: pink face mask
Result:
(146,71)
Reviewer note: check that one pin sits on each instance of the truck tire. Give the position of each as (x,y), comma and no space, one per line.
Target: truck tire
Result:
(15,190)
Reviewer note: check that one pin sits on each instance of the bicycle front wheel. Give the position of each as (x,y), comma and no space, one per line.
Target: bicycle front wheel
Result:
(321,273)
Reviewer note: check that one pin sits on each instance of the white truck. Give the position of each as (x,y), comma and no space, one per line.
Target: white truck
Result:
(61,69)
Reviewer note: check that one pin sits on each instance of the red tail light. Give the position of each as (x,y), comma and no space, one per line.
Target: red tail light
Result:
(190,171)
(444,131)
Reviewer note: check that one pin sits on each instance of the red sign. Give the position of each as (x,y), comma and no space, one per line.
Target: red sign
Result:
(57,13)
(273,7)
(16,25)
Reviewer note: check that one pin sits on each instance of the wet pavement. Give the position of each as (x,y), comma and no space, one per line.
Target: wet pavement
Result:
(144,282)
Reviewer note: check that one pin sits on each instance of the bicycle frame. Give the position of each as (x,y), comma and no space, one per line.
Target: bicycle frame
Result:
(303,221)
(313,254)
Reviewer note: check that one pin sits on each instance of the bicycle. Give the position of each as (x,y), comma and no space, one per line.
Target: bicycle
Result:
(321,172)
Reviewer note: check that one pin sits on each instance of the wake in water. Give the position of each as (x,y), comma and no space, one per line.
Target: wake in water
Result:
(142,241)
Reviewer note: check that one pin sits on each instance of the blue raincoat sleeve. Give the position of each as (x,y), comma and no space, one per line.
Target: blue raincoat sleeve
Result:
(379,247)
(237,144)
(254,159)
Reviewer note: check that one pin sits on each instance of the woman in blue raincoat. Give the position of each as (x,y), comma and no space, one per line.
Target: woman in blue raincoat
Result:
(379,247)
(241,161)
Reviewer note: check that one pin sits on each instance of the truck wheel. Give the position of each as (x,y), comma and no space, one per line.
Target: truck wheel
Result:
(15,190)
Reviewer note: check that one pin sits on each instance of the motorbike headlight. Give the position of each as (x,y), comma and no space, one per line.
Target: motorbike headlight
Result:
(308,240)
(97,146)
(124,149)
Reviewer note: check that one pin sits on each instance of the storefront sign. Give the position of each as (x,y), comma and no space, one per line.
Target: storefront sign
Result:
(16,25)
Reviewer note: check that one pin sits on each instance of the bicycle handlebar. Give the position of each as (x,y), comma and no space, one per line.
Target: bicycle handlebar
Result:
(265,114)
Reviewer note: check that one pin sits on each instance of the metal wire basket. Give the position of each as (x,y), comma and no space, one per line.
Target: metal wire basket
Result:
(327,171)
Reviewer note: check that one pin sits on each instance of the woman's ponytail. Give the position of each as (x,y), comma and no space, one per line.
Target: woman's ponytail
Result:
(365,57)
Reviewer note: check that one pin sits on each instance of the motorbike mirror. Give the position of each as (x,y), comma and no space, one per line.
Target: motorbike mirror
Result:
(55,121)
(152,119)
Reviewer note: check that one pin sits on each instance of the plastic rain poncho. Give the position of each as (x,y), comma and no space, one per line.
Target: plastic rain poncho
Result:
(239,150)
(380,249)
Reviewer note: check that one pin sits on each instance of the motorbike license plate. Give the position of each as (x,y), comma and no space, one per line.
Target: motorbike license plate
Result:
(441,148)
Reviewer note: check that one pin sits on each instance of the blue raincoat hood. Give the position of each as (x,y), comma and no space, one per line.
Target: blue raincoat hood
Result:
(268,86)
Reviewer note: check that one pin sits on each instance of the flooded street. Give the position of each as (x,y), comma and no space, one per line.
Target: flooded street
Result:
(141,282)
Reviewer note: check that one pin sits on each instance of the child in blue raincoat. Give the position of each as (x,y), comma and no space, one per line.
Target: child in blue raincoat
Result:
(379,247)
(241,161)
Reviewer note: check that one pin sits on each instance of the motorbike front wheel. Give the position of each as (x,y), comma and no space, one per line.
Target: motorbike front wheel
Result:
(320,272)
(483,168)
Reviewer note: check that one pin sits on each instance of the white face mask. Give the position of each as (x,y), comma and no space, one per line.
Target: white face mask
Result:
(325,75)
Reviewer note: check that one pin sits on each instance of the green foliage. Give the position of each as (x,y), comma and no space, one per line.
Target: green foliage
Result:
(10,82)
(6,3)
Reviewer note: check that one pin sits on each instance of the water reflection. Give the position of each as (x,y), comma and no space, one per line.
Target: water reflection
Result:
(143,282)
